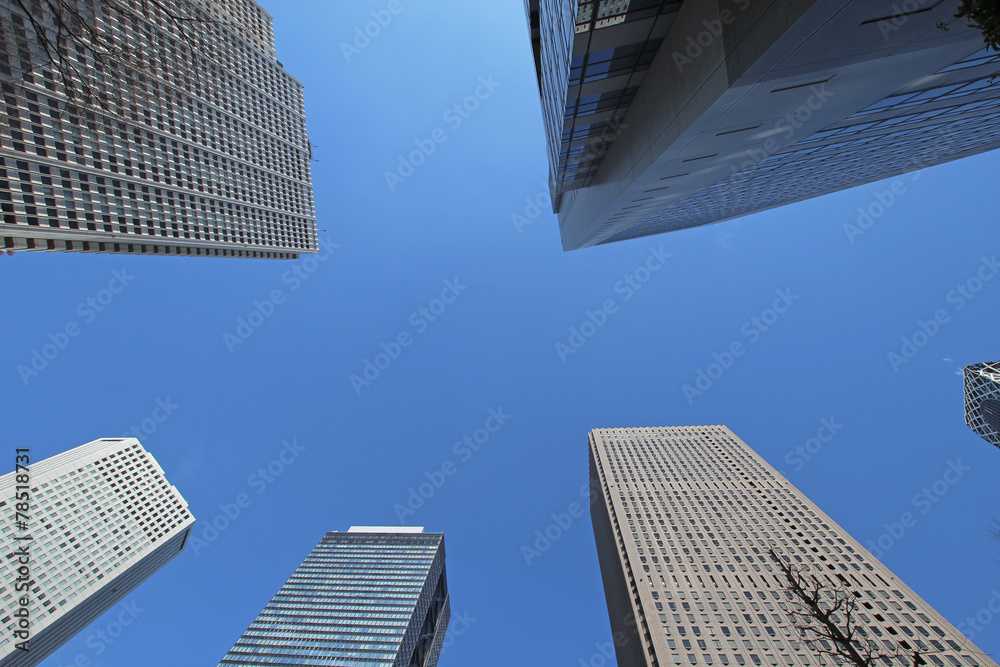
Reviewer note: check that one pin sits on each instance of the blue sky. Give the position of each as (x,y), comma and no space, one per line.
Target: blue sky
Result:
(449,227)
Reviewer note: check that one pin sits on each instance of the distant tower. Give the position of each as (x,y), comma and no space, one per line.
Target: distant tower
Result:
(982,400)
(663,115)
(102,519)
(200,150)
(684,520)
(371,596)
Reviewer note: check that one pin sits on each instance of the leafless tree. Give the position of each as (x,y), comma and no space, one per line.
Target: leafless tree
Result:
(102,56)
(828,621)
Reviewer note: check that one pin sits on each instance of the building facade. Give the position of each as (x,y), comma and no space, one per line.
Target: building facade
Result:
(685,519)
(101,519)
(371,596)
(982,400)
(190,140)
(662,115)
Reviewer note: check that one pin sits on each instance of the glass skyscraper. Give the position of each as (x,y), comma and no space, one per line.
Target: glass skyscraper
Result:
(668,114)
(370,596)
(101,519)
(685,519)
(982,400)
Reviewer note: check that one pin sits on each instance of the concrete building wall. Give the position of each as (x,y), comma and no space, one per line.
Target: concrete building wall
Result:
(199,146)
(687,519)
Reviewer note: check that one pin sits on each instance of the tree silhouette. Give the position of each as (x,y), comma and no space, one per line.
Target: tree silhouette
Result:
(981,14)
(100,55)
(828,621)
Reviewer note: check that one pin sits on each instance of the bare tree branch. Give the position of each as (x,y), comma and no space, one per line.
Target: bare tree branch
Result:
(828,621)
(94,50)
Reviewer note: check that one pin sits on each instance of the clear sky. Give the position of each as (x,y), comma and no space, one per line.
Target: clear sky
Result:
(447,230)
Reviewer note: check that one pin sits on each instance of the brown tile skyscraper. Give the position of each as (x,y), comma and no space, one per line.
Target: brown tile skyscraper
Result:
(684,519)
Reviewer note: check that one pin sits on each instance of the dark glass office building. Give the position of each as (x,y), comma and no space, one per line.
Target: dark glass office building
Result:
(982,400)
(663,115)
(370,596)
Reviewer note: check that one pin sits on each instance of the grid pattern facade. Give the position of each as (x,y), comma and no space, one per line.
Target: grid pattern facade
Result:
(552,24)
(608,47)
(357,600)
(677,115)
(952,114)
(982,400)
(201,152)
(246,17)
(684,519)
(99,515)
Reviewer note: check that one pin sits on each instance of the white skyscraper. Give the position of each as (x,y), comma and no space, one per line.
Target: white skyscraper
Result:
(101,519)
(685,518)
(199,147)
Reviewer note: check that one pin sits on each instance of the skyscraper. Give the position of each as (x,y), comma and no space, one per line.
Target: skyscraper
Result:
(684,519)
(372,595)
(982,400)
(101,519)
(181,135)
(667,114)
